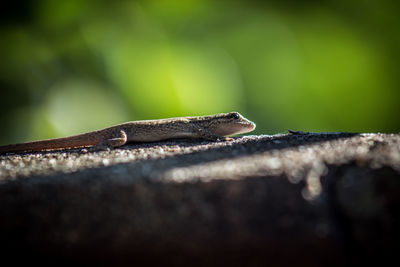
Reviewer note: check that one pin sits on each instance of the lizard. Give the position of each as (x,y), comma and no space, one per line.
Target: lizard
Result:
(212,127)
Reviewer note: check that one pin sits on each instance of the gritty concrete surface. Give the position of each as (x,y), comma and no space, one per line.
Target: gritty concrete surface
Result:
(304,199)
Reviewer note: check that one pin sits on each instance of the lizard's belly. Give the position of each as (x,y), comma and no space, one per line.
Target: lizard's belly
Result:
(151,137)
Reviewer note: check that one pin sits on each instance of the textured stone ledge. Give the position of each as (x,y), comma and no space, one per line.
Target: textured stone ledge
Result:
(314,199)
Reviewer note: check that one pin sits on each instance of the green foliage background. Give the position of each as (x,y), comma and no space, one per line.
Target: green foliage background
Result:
(72,66)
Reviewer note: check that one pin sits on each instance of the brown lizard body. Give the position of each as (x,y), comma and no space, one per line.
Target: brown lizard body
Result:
(213,127)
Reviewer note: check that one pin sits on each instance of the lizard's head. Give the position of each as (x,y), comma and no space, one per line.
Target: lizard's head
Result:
(230,124)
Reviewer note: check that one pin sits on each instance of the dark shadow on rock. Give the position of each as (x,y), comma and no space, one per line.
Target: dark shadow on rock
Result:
(249,222)
(364,206)
(226,222)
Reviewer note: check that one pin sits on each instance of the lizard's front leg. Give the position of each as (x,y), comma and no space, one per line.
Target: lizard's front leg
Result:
(117,141)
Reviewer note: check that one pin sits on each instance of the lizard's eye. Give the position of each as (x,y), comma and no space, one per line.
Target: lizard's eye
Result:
(235,116)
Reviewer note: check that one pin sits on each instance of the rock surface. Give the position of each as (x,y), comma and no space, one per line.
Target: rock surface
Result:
(304,199)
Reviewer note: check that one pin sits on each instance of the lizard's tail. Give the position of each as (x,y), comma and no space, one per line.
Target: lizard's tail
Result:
(81,140)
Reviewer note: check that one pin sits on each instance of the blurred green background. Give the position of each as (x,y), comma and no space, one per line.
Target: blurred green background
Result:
(73,66)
